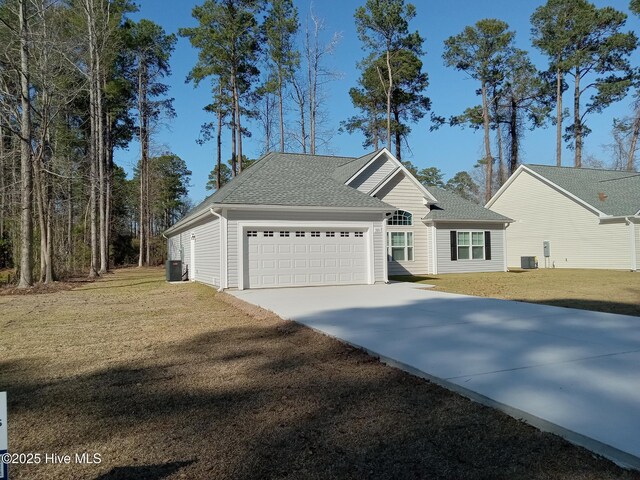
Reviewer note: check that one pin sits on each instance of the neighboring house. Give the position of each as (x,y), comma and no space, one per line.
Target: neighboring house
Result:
(590,218)
(297,220)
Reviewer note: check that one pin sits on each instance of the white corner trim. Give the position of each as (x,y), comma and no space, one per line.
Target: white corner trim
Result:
(434,249)
(632,238)
(385,263)
(505,266)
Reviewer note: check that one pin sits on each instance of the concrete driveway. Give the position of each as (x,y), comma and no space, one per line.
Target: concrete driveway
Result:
(573,372)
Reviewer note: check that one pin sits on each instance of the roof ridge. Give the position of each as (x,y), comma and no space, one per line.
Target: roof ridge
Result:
(311,155)
(567,167)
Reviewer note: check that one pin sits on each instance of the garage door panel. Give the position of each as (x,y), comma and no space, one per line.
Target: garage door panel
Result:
(278,259)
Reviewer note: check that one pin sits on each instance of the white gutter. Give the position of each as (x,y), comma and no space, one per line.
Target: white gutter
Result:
(223,244)
(632,237)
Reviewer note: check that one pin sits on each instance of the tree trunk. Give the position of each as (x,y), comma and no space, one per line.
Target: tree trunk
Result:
(219,143)
(238,126)
(501,169)
(3,188)
(389,90)
(69,223)
(577,122)
(312,76)
(26,226)
(398,136)
(144,159)
(281,111)
(234,144)
(514,140)
(93,147)
(301,110)
(634,141)
(559,118)
(102,174)
(488,158)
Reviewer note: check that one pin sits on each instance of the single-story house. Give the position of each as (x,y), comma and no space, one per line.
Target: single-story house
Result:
(589,218)
(299,220)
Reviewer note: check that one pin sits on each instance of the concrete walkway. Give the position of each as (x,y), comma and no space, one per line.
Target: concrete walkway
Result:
(573,372)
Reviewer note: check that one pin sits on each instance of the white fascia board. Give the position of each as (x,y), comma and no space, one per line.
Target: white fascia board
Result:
(181,227)
(239,206)
(620,218)
(433,221)
(523,168)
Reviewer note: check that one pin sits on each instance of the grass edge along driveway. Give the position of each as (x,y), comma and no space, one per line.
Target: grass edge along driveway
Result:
(613,291)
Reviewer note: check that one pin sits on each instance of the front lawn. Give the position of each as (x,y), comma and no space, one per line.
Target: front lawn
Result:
(603,290)
(178,381)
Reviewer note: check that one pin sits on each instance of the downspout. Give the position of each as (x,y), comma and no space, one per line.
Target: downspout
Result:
(222,282)
(632,236)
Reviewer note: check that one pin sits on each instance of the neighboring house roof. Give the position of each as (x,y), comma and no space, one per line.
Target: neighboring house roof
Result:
(612,192)
(453,207)
(291,179)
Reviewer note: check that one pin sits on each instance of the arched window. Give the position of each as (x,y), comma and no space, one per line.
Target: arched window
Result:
(400,217)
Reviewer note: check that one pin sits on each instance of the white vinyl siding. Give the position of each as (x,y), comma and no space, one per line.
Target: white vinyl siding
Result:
(329,219)
(207,247)
(374,174)
(443,243)
(403,194)
(207,250)
(577,239)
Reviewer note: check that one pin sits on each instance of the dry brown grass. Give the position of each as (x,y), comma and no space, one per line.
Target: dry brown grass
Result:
(177,381)
(612,291)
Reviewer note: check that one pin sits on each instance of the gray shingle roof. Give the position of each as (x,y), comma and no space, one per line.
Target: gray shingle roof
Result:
(291,179)
(452,206)
(613,192)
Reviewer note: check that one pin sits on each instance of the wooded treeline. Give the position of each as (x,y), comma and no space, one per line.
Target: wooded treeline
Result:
(77,80)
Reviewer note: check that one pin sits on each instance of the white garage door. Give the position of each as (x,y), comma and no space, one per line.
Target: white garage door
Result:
(297,257)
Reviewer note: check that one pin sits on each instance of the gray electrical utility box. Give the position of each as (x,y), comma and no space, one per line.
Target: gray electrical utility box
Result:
(546,248)
(174,271)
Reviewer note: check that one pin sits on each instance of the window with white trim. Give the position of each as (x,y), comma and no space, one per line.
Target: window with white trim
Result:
(252,233)
(330,234)
(267,233)
(400,246)
(358,234)
(344,234)
(315,234)
(471,245)
(400,217)
(284,234)
(300,234)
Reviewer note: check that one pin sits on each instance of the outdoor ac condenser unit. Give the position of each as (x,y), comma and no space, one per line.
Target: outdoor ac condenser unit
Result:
(174,271)
(527,263)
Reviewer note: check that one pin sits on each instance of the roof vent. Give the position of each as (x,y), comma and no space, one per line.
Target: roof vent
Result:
(602,196)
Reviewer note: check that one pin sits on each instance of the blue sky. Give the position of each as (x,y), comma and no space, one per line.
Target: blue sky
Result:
(450,149)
